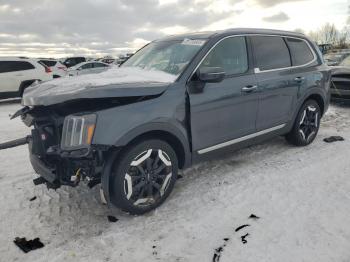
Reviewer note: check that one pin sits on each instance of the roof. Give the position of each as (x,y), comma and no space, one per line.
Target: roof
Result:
(233,31)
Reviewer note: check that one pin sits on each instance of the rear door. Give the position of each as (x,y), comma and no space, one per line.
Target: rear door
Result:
(225,111)
(277,87)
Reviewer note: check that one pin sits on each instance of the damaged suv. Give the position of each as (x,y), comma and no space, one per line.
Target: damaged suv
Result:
(177,101)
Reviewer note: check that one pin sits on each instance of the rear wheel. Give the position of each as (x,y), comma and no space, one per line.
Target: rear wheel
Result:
(306,125)
(143,176)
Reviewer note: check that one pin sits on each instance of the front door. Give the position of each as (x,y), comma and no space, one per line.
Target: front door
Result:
(224,111)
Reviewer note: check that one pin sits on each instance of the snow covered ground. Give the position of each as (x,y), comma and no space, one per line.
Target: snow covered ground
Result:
(300,194)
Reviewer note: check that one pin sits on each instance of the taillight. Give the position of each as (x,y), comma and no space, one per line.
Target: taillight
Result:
(48,69)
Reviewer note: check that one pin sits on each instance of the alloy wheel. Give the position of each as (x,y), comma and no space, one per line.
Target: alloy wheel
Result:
(148,177)
(309,122)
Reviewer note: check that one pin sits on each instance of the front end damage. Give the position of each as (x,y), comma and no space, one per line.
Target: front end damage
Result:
(61,149)
(63,117)
(61,146)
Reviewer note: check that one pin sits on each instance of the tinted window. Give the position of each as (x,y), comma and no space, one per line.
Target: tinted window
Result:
(13,66)
(300,51)
(86,66)
(230,54)
(99,65)
(48,63)
(271,52)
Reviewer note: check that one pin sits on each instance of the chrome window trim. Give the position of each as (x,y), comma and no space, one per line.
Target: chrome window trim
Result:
(240,139)
(257,70)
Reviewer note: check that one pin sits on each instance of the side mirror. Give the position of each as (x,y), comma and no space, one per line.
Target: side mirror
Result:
(211,74)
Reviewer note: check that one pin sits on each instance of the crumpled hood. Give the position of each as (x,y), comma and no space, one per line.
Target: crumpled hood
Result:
(115,82)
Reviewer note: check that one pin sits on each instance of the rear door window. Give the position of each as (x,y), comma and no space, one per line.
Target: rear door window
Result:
(13,66)
(229,54)
(271,52)
(300,51)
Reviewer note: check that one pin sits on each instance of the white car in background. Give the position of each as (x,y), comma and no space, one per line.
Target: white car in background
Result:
(92,67)
(58,69)
(17,73)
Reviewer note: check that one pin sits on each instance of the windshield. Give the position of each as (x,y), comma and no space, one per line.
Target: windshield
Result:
(167,56)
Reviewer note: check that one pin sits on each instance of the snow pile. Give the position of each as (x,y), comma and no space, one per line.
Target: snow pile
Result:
(113,76)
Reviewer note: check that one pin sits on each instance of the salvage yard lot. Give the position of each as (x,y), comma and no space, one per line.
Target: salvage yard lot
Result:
(300,194)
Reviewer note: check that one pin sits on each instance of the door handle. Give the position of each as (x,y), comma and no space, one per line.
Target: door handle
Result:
(299,79)
(249,89)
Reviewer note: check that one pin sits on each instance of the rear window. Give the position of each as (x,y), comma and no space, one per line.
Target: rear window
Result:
(271,52)
(300,51)
(13,66)
(48,63)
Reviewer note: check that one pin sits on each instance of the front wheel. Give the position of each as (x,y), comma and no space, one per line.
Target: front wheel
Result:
(306,125)
(143,176)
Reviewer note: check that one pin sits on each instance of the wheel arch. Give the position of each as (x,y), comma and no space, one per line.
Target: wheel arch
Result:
(171,134)
(319,99)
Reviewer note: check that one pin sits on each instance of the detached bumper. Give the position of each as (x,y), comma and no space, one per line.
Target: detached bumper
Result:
(47,173)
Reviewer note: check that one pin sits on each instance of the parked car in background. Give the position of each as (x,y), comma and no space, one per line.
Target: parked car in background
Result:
(92,67)
(177,101)
(334,59)
(16,74)
(122,58)
(340,85)
(72,61)
(108,60)
(324,48)
(58,69)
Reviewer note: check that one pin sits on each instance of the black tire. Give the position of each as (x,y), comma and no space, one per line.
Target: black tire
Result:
(127,176)
(304,130)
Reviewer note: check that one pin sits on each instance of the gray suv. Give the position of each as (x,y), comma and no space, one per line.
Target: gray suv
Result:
(181,99)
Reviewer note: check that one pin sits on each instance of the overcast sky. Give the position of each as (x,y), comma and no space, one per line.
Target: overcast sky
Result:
(58,28)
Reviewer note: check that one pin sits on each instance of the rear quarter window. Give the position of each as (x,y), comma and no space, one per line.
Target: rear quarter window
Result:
(14,66)
(271,52)
(300,51)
